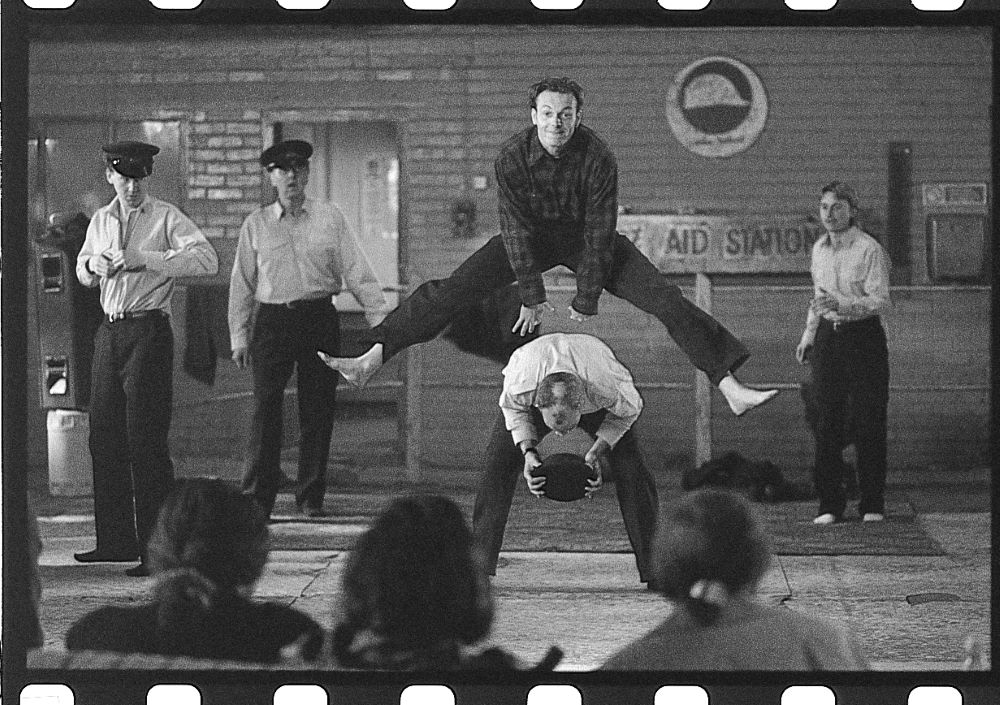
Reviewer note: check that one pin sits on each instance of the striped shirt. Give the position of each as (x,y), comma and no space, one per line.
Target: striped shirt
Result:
(542,198)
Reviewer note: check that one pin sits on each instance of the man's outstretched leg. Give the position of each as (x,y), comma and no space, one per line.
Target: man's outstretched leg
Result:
(428,310)
(706,342)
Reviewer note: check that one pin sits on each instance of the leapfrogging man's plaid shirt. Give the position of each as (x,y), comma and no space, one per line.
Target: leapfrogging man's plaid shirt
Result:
(574,197)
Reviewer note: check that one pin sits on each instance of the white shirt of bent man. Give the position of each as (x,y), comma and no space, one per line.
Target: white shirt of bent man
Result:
(607,382)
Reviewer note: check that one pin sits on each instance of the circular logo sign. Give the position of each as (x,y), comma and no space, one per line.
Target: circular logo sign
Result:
(716,106)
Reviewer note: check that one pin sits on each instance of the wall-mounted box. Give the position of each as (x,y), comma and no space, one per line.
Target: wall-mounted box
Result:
(956,246)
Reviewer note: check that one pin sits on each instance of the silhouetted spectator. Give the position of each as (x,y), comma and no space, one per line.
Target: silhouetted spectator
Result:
(207,550)
(709,555)
(414,596)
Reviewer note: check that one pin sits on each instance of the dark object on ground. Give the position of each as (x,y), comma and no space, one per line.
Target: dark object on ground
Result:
(565,476)
(762,482)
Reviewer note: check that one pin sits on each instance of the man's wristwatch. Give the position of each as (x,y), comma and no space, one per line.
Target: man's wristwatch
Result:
(532,449)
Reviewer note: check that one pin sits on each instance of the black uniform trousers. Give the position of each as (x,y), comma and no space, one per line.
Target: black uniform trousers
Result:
(130,408)
(286,337)
(434,304)
(851,361)
(504,466)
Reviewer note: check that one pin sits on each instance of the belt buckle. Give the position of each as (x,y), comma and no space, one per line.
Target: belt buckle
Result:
(115,317)
(837,325)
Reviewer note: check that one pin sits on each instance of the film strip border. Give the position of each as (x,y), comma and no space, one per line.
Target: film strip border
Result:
(402,8)
(540,694)
(163,687)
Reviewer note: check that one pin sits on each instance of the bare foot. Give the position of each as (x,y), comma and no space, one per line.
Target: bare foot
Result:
(742,398)
(356,370)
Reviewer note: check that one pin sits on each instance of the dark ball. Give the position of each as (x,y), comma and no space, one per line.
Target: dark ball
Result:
(565,475)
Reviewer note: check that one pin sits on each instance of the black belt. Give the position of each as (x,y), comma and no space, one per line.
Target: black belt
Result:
(847,326)
(304,303)
(130,315)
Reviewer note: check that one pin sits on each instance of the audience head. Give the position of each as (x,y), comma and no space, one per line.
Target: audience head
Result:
(412,586)
(559,398)
(708,547)
(210,540)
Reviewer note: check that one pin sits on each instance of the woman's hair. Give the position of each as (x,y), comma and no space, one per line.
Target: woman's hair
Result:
(707,539)
(209,541)
(574,390)
(414,584)
(556,84)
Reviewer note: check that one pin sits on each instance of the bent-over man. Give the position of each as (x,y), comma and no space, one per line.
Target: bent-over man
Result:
(555,383)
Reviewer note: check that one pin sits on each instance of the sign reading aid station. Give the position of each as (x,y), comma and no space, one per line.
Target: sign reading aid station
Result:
(679,244)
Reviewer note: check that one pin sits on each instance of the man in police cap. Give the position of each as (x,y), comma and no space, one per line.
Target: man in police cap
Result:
(292,258)
(555,383)
(134,248)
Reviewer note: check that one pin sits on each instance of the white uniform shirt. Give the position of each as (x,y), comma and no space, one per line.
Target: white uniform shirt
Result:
(161,237)
(607,383)
(282,258)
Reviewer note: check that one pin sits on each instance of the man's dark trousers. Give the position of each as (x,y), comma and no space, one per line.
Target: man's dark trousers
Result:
(131,401)
(851,362)
(434,304)
(287,338)
(504,466)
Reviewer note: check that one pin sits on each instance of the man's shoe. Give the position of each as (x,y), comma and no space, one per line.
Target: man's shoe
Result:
(313,512)
(827,518)
(139,571)
(873,516)
(96,556)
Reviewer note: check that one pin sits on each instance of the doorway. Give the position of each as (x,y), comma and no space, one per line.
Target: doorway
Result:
(356,166)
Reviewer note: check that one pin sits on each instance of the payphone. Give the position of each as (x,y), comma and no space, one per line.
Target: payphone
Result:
(957,233)
(68,315)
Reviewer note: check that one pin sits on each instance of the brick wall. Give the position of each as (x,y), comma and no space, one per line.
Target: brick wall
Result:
(224,179)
